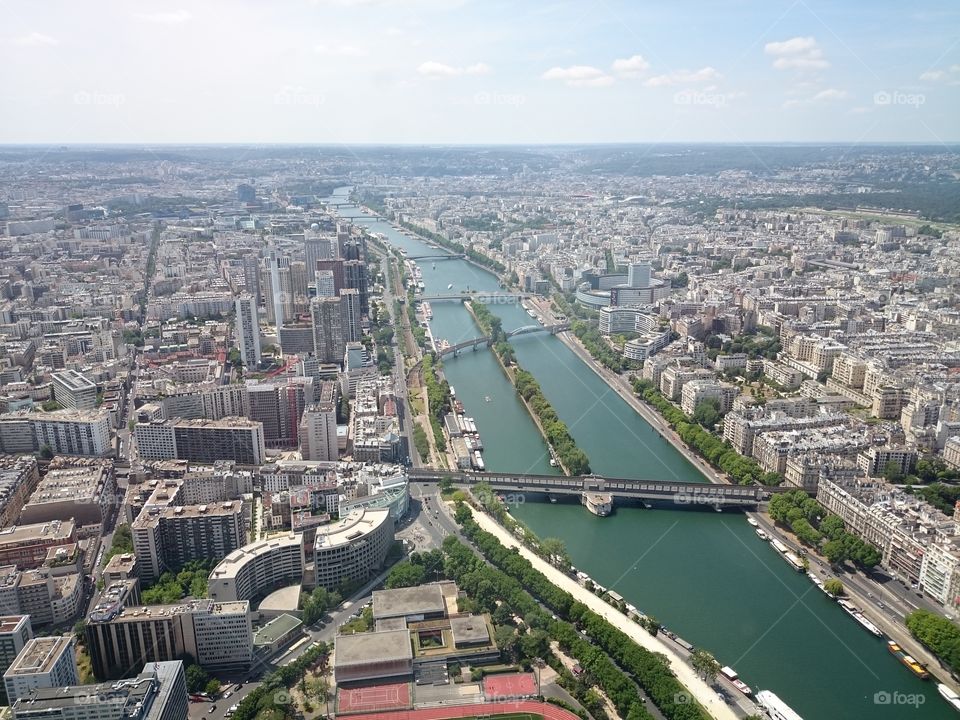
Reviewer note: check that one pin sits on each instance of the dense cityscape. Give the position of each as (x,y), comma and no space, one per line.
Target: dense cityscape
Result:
(446,360)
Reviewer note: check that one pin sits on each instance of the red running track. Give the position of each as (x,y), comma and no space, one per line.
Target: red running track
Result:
(548,710)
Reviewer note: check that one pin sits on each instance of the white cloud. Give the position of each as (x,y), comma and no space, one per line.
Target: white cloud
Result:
(35,39)
(950,75)
(830,94)
(579,76)
(684,77)
(174,17)
(631,67)
(798,53)
(340,50)
(432,68)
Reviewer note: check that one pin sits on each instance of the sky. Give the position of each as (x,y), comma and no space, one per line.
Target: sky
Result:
(480,71)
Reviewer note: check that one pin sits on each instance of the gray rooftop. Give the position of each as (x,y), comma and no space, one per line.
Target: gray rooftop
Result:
(471,629)
(363,648)
(401,602)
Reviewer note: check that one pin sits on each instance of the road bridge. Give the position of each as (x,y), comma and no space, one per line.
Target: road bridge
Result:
(445,256)
(673,492)
(483,297)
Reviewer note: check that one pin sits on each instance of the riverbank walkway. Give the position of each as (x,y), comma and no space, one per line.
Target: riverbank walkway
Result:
(704,694)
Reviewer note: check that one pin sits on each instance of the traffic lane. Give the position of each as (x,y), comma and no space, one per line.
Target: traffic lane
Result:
(202,709)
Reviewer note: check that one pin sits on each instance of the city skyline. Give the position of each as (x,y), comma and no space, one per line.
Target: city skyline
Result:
(376,73)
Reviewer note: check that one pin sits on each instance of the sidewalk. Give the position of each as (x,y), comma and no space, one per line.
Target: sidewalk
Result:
(704,694)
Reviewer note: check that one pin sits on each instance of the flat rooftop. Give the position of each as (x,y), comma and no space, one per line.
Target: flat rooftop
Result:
(39,655)
(276,629)
(401,602)
(355,525)
(231,564)
(53,531)
(471,629)
(9,623)
(372,647)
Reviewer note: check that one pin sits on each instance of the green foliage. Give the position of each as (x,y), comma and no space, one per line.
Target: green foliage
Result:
(597,346)
(573,458)
(834,587)
(707,412)
(743,470)
(190,580)
(262,702)
(799,512)
(122,541)
(422,442)
(317,603)
(615,663)
(704,664)
(938,634)
(406,574)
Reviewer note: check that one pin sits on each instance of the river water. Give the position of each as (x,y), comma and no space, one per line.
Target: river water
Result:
(705,575)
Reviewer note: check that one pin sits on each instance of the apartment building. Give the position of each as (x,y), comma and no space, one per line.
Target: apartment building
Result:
(218,634)
(44,662)
(73,389)
(159,692)
(168,537)
(203,441)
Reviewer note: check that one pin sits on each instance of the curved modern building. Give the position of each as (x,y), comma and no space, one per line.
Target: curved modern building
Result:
(352,549)
(258,568)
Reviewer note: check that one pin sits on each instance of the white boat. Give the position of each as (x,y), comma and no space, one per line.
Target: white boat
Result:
(762,535)
(753,522)
(949,695)
(730,674)
(776,708)
(778,545)
(854,612)
(450,286)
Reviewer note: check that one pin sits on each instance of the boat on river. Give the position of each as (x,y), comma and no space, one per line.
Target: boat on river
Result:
(762,535)
(912,665)
(776,708)
(854,612)
(948,694)
(730,674)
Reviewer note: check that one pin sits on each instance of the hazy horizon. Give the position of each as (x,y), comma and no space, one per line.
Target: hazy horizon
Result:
(460,72)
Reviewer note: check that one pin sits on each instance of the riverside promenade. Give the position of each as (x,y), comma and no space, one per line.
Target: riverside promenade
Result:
(703,693)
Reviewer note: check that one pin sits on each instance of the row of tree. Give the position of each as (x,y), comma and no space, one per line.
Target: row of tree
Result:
(816,528)
(718,453)
(938,634)
(647,669)
(589,334)
(438,400)
(477,257)
(572,457)
(271,699)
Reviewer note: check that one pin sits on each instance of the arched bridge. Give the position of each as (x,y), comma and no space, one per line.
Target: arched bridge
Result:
(681,494)
(486,340)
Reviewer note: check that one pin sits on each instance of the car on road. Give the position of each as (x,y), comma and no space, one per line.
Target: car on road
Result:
(212,709)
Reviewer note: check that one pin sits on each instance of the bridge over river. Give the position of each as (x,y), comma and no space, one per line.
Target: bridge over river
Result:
(485,340)
(680,494)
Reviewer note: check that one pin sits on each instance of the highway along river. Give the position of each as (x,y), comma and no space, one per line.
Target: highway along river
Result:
(704,575)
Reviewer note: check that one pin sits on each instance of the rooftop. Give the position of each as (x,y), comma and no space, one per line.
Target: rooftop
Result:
(39,655)
(419,600)
(378,647)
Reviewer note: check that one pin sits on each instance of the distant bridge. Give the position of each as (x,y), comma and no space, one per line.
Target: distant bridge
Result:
(444,256)
(483,297)
(486,340)
(680,494)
